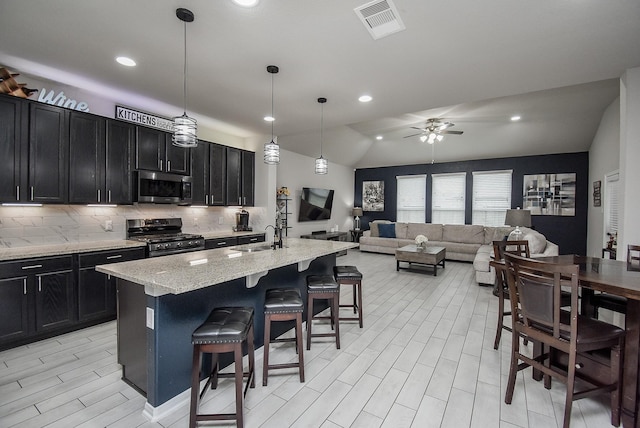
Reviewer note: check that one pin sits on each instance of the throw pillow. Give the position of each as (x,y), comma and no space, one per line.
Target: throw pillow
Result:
(387,230)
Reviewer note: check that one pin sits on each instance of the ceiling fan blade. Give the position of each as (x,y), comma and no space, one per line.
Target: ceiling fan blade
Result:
(413,135)
(451,132)
(419,129)
(445,125)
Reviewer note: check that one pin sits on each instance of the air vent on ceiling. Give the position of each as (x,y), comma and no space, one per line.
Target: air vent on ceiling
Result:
(380,17)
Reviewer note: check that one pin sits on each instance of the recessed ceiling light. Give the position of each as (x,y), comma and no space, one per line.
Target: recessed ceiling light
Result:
(246,3)
(126,61)
(515,118)
(269,118)
(365,98)
(378,137)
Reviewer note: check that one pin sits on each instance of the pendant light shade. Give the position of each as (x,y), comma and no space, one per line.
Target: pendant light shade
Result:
(185,127)
(272,149)
(322,165)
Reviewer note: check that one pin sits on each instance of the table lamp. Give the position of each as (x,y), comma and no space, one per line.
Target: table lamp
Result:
(356,212)
(518,218)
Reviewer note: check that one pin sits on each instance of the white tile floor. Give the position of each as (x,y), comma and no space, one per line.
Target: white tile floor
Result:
(424,358)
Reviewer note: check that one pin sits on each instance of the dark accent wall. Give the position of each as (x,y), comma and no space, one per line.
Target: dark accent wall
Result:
(570,233)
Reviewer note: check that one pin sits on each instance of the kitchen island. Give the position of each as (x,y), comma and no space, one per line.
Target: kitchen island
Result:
(162,300)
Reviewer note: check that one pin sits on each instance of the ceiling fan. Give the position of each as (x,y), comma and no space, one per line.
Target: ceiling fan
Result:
(434,130)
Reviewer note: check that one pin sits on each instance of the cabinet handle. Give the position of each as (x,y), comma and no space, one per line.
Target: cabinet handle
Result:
(222,243)
(161,164)
(206,199)
(98,195)
(31,267)
(24,286)
(253,239)
(114,257)
(168,165)
(39,283)
(17,193)
(240,200)
(32,193)
(109,195)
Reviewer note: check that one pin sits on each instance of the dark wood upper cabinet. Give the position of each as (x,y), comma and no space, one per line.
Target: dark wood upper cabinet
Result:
(86,158)
(13,155)
(120,142)
(208,169)
(240,176)
(155,152)
(48,153)
(217,174)
(200,174)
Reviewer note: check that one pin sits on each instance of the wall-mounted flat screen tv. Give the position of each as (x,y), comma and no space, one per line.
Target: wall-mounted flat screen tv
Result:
(315,204)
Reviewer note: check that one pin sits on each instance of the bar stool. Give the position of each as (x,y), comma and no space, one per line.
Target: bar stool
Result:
(282,304)
(225,330)
(323,287)
(346,275)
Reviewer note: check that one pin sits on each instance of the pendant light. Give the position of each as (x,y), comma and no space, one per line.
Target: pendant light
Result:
(184,127)
(322,166)
(272,149)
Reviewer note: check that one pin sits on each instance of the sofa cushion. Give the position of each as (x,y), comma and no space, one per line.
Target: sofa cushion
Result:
(401,230)
(464,233)
(537,241)
(373,226)
(497,233)
(387,230)
(433,232)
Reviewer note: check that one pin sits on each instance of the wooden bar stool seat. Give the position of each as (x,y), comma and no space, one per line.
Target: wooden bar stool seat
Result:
(323,287)
(282,304)
(225,330)
(350,275)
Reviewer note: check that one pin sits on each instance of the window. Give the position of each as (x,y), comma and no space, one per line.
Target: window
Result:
(447,198)
(491,197)
(611,188)
(411,191)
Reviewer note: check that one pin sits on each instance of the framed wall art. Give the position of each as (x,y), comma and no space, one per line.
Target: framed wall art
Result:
(550,194)
(373,195)
(597,193)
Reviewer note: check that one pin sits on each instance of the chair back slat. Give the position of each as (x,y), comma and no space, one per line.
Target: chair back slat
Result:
(520,248)
(633,257)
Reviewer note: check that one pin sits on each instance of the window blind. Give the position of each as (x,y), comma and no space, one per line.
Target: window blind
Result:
(491,197)
(448,198)
(411,190)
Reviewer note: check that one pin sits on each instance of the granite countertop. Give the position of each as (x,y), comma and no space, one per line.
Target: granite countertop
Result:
(8,254)
(181,273)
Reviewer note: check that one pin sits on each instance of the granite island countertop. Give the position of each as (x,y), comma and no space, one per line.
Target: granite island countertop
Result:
(181,273)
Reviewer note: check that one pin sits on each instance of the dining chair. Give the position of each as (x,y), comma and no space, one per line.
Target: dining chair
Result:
(520,248)
(535,296)
(617,303)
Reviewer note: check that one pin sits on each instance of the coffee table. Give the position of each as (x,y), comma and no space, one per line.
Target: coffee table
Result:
(430,256)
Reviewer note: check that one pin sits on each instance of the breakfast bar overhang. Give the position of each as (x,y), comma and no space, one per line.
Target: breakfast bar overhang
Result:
(162,300)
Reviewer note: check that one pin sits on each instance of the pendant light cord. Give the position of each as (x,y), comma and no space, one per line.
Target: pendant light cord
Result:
(321,126)
(272,116)
(184,71)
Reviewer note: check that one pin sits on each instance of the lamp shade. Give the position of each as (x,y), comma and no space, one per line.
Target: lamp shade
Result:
(356,212)
(518,217)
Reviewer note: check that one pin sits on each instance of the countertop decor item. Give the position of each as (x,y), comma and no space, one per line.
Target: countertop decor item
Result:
(421,241)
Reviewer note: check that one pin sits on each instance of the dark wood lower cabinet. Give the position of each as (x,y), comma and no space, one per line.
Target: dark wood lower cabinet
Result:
(44,297)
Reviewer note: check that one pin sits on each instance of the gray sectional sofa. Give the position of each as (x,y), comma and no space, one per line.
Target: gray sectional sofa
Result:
(470,243)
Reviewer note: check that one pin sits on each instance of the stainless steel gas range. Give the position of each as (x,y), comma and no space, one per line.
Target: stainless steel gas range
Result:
(163,236)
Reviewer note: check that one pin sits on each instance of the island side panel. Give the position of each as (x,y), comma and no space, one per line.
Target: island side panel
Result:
(170,351)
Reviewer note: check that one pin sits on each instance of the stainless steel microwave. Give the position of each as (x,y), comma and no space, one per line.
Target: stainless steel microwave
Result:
(163,188)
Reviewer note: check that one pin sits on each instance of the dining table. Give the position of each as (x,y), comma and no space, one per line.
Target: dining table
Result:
(621,279)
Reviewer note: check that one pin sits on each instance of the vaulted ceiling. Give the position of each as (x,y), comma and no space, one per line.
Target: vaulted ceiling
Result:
(554,63)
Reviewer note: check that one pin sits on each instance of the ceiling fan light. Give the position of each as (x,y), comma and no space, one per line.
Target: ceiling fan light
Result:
(440,137)
(432,138)
(423,138)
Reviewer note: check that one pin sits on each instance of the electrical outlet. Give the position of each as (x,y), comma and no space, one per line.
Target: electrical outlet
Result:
(108,225)
(195,221)
(150,323)
(220,220)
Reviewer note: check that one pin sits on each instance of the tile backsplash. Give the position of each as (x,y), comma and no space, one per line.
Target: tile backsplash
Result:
(60,224)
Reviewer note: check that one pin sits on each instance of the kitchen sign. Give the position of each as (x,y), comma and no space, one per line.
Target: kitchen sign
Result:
(141,118)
